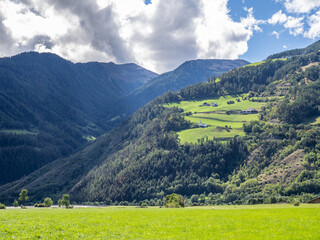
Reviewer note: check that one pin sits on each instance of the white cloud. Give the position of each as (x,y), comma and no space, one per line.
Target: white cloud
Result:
(276,34)
(159,36)
(301,6)
(295,25)
(314,23)
(278,18)
(250,22)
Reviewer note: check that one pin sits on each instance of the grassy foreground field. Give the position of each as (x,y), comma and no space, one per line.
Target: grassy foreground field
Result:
(223,222)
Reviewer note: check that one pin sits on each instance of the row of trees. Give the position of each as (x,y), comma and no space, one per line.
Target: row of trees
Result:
(23,198)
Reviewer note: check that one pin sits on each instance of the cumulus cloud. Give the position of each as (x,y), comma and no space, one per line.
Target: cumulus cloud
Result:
(295,25)
(5,38)
(159,36)
(314,23)
(301,6)
(278,18)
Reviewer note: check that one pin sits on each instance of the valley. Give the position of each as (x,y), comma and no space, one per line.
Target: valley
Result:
(161,119)
(259,143)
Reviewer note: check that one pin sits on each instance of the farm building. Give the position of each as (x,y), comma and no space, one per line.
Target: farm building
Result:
(202,125)
(249,111)
(205,104)
(316,200)
(214,104)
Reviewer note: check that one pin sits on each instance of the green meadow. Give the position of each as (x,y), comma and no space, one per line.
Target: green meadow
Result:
(259,63)
(224,121)
(222,222)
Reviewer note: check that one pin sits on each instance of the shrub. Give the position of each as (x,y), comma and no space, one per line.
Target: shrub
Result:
(296,203)
(174,201)
(144,205)
(39,205)
(15,203)
(108,202)
(48,202)
(2,206)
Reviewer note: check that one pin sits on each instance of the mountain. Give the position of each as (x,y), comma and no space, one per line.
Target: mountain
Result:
(272,156)
(277,159)
(49,107)
(128,76)
(189,73)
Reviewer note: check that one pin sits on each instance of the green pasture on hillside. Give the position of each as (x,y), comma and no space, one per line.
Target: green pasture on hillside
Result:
(259,63)
(222,222)
(224,121)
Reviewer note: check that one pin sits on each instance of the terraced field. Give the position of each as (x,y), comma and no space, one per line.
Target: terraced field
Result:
(224,121)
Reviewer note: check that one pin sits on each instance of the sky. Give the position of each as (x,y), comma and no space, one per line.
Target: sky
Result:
(157,34)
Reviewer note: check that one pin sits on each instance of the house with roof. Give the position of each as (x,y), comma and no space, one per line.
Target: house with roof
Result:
(214,104)
(203,125)
(316,200)
(249,111)
(205,104)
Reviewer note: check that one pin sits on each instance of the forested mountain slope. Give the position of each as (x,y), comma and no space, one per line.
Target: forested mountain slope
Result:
(281,144)
(277,160)
(49,106)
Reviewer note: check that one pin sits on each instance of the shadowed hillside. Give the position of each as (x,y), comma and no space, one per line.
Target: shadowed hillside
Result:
(49,107)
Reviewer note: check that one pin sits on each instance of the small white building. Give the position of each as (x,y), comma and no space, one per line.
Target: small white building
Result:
(249,111)
(202,125)
(214,104)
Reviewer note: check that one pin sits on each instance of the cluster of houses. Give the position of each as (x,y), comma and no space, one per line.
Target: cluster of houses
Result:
(205,104)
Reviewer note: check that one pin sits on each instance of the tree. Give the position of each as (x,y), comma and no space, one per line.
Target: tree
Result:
(23,196)
(59,202)
(174,201)
(48,202)
(15,203)
(65,200)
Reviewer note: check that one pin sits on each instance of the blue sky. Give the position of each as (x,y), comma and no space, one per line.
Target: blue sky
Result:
(160,34)
(264,43)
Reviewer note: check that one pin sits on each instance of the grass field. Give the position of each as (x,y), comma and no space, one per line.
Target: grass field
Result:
(223,222)
(216,118)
